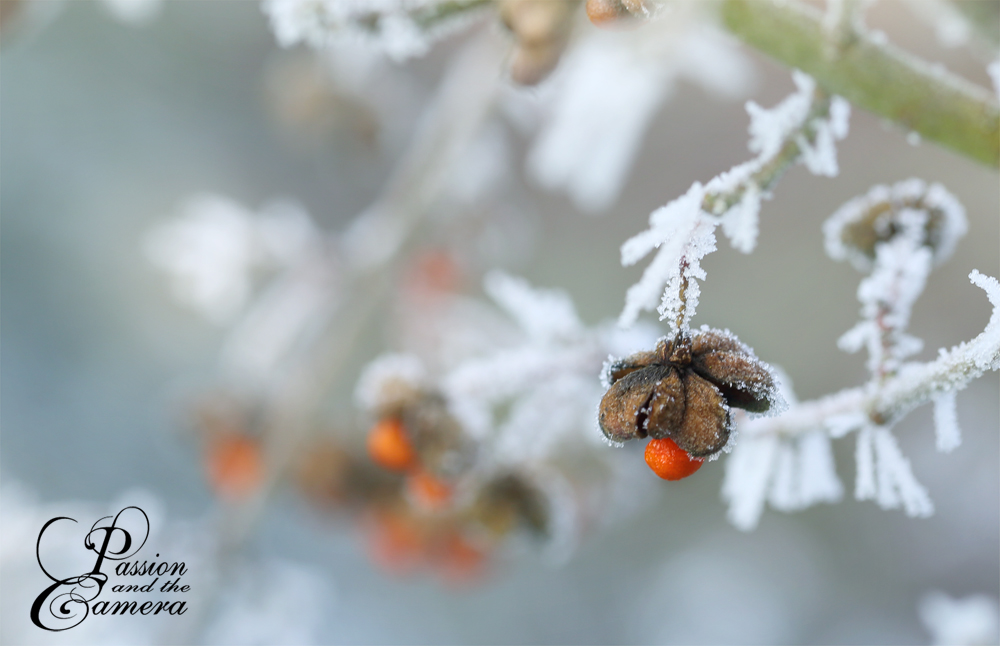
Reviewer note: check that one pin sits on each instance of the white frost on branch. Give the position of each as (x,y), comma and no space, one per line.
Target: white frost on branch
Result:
(947,431)
(683,232)
(790,473)
(542,313)
(883,474)
(393,27)
(606,91)
(887,297)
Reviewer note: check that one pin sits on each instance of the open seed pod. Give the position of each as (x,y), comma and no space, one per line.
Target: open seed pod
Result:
(684,390)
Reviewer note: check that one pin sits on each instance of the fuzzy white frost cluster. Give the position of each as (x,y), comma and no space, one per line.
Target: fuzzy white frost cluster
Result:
(529,402)
(787,460)
(388,26)
(211,249)
(607,90)
(789,473)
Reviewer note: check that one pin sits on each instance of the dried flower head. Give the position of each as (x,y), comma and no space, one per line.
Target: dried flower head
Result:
(684,390)
(542,29)
(930,215)
(508,502)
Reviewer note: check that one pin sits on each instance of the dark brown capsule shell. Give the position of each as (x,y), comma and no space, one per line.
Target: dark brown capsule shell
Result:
(629,364)
(715,341)
(665,409)
(707,419)
(621,405)
(741,378)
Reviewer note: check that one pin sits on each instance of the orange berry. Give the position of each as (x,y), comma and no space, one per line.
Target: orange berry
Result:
(669,461)
(611,14)
(427,491)
(389,445)
(604,12)
(235,466)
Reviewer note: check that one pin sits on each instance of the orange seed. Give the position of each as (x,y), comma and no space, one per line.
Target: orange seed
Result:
(669,461)
(389,445)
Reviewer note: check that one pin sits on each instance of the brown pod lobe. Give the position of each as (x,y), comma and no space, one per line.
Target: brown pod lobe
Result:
(743,381)
(665,410)
(621,417)
(707,419)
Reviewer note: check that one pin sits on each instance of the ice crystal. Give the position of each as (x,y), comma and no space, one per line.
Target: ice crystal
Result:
(542,314)
(680,232)
(883,474)
(948,434)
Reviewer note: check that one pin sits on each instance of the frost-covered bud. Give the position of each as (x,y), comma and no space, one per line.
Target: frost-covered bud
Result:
(930,214)
(395,388)
(541,28)
(684,390)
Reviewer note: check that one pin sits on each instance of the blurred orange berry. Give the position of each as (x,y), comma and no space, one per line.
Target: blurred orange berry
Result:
(235,466)
(462,562)
(389,445)
(427,491)
(605,12)
(435,272)
(395,543)
(669,461)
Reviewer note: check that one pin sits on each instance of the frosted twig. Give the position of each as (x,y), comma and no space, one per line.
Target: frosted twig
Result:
(452,118)
(914,384)
(803,127)
(873,75)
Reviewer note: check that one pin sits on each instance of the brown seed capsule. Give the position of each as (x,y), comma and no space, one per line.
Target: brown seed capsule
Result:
(684,389)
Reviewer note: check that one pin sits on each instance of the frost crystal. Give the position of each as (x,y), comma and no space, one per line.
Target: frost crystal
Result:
(791,474)
(949,436)
(770,128)
(542,314)
(885,475)
(682,235)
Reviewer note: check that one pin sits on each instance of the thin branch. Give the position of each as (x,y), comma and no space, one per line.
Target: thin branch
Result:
(873,75)
(887,401)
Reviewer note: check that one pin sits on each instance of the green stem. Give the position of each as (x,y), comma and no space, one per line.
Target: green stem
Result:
(875,76)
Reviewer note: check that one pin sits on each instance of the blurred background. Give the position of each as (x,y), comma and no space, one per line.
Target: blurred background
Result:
(107,128)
